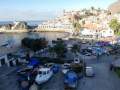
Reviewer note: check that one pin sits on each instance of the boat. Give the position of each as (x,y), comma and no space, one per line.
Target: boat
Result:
(70,80)
(4,44)
(7,43)
(65,68)
(44,74)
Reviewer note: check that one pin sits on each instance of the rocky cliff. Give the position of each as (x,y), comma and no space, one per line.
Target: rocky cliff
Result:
(115,7)
(6,26)
(20,26)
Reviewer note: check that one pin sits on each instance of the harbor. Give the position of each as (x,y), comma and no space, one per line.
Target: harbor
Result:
(59,45)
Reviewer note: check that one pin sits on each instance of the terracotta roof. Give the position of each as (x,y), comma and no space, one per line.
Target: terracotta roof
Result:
(92,26)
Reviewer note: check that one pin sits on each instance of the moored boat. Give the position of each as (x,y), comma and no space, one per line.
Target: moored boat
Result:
(44,74)
(70,80)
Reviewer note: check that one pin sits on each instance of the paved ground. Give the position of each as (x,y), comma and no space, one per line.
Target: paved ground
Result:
(8,79)
(103,80)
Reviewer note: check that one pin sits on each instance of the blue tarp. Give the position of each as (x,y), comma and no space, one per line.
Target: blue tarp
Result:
(71,77)
(103,43)
(33,62)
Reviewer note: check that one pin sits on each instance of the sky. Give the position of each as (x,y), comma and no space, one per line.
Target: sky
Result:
(11,10)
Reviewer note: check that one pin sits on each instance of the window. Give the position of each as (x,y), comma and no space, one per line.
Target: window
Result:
(44,73)
(40,72)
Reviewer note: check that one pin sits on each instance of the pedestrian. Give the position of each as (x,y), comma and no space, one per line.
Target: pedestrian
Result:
(111,67)
(97,56)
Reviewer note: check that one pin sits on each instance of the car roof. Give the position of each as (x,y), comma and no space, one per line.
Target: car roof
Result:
(44,69)
(89,67)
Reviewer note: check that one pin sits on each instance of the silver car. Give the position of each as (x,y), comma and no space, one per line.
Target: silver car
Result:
(89,72)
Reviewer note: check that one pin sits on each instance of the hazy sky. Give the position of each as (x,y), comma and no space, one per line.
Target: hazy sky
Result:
(43,9)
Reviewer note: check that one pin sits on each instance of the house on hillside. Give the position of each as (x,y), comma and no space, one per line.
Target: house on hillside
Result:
(90,30)
(107,33)
(88,33)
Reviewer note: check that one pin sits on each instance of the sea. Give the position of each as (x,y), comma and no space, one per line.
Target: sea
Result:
(31,23)
(15,38)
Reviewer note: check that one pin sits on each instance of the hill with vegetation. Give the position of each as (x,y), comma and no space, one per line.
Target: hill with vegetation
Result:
(115,7)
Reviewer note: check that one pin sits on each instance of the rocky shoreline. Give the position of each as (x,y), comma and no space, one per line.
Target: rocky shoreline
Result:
(31,30)
(23,27)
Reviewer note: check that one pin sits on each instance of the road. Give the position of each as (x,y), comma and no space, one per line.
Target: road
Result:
(104,78)
(8,79)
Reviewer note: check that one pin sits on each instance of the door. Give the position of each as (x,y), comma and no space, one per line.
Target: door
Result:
(2,62)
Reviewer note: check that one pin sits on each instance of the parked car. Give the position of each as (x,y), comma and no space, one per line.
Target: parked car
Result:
(65,68)
(89,72)
(44,74)
(88,54)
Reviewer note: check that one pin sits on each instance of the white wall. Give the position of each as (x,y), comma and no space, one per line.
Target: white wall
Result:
(107,33)
(88,32)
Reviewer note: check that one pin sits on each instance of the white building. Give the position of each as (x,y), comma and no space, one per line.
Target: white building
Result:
(106,33)
(4,60)
(88,32)
(57,25)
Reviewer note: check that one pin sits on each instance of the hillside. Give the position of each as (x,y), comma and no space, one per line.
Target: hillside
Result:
(115,7)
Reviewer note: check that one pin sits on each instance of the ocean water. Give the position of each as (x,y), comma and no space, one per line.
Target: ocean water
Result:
(15,38)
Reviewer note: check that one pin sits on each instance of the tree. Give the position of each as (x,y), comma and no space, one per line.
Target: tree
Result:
(92,8)
(115,25)
(51,51)
(75,48)
(60,49)
(76,23)
(34,44)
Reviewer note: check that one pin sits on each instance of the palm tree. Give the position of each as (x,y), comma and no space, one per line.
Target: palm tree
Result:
(92,8)
(76,23)
(77,27)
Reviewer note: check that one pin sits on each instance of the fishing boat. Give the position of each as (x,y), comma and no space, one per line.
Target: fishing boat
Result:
(44,74)
(70,80)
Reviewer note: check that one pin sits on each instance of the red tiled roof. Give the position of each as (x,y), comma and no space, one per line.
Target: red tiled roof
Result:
(92,26)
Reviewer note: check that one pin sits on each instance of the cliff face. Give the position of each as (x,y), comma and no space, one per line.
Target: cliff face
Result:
(115,7)
(20,26)
(6,27)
